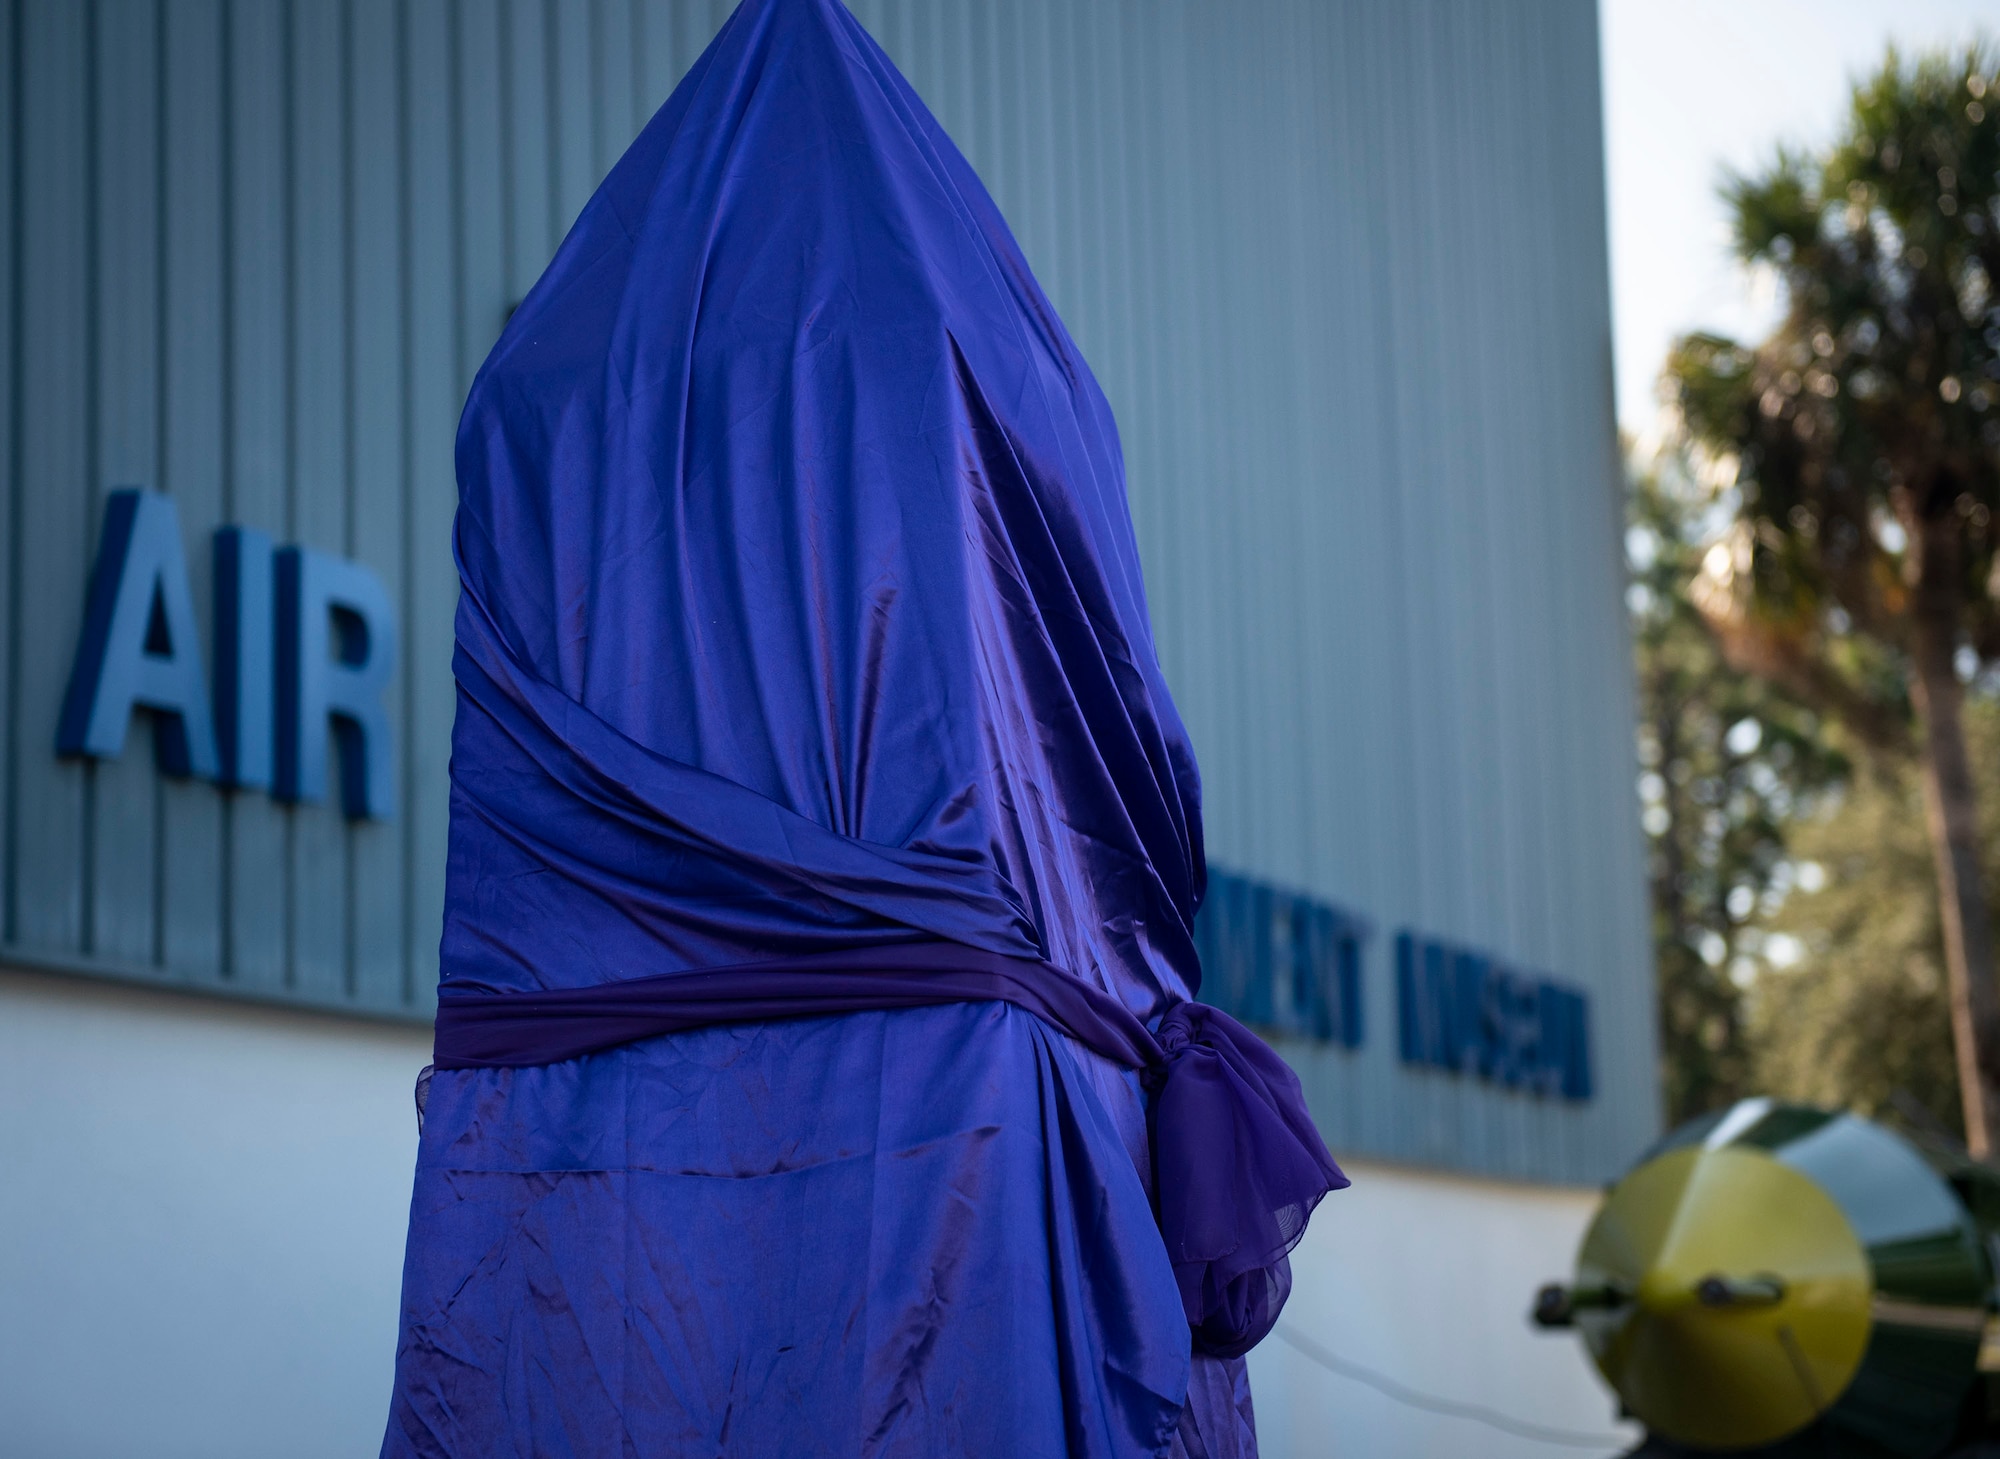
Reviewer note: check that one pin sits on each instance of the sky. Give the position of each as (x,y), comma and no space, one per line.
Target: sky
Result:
(1692,86)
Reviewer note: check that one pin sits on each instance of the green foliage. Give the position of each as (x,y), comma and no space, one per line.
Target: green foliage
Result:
(1863,1013)
(1727,762)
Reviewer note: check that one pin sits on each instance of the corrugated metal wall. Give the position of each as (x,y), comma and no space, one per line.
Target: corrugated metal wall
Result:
(1340,265)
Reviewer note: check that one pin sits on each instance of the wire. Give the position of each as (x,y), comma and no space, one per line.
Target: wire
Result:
(1476,1413)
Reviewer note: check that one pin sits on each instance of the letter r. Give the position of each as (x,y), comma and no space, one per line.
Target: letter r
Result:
(336,652)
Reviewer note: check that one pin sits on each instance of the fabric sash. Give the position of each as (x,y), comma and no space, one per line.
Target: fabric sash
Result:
(1237,1163)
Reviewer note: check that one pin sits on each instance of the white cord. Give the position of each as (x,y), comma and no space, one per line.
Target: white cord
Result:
(1450,1408)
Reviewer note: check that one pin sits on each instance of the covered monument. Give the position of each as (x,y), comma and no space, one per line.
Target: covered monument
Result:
(815,1066)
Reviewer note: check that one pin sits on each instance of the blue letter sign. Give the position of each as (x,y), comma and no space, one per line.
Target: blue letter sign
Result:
(1279,960)
(140,646)
(245,600)
(304,645)
(336,649)
(1463,1011)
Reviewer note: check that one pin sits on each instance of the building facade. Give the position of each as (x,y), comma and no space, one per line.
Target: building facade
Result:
(1341,268)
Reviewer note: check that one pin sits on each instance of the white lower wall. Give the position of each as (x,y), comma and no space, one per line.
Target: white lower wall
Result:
(202,1212)
(1426,1280)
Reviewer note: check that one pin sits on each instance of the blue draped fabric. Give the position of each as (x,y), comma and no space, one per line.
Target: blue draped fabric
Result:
(801,614)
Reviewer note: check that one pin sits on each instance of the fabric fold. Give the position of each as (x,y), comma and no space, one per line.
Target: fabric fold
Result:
(814,773)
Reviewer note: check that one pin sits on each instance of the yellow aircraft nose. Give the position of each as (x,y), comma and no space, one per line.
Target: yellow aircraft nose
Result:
(1733,1297)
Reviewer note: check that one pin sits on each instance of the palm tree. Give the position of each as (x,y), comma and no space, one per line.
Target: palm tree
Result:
(1860,447)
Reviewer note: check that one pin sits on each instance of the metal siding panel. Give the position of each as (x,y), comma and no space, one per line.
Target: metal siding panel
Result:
(1327,254)
(11,487)
(979,42)
(1481,475)
(436,385)
(526,146)
(694,25)
(125,397)
(1068,84)
(1206,472)
(1522,556)
(1141,386)
(661,63)
(1573,952)
(321,339)
(1629,968)
(378,527)
(1041,153)
(1147,484)
(484,291)
(1181,431)
(614,70)
(1358,467)
(947,76)
(481,169)
(55,465)
(1379,695)
(1480,749)
(1411,581)
(191,453)
(571,117)
(1453,485)
(1516,352)
(1016,94)
(1211,142)
(1626,1061)
(258,440)
(1581,314)
(1266,488)
(1507,554)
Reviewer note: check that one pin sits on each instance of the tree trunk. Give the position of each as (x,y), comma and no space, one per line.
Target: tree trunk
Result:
(1951,806)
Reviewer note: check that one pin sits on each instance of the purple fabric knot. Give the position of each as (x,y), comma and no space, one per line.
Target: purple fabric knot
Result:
(1237,1167)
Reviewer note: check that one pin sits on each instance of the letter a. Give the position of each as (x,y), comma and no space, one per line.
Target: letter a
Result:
(140,644)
